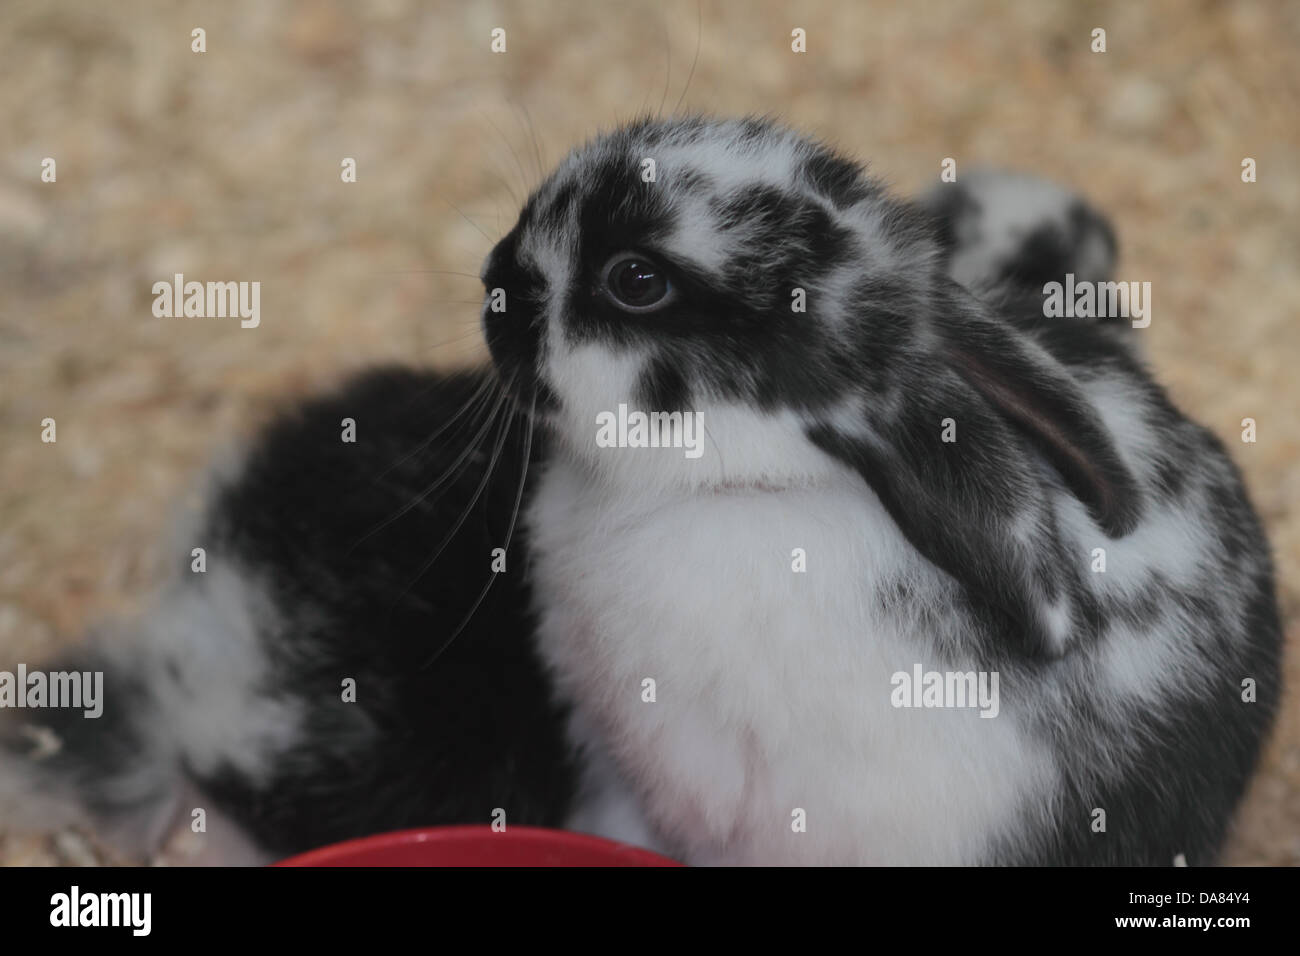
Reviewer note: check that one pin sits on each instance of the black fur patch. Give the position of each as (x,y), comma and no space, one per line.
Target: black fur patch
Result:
(662,388)
(838,179)
(514,337)
(424,743)
(1052,250)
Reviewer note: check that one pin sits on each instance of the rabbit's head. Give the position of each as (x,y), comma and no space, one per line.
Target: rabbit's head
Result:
(801,322)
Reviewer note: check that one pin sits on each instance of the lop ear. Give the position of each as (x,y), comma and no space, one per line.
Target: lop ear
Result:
(959,465)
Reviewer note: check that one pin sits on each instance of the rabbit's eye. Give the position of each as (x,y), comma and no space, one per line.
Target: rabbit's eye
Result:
(636,283)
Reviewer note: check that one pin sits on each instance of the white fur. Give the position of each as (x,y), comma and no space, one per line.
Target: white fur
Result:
(773,687)
(214,626)
(1011,207)
(210,709)
(738,445)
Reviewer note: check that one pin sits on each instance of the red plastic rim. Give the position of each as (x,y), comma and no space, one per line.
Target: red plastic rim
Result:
(478,845)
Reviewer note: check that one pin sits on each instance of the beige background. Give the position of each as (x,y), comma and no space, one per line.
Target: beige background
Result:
(225,165)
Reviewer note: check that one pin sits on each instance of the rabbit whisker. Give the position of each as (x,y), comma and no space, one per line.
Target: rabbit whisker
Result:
(510,531)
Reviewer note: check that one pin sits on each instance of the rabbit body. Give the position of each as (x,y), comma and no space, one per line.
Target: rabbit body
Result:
(972,488)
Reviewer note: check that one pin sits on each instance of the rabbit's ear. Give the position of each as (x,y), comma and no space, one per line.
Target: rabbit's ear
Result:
(960,462)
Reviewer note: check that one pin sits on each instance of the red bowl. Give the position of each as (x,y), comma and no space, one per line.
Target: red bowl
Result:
(479,846)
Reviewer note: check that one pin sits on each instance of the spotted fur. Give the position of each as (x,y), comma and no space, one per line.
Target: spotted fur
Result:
(1121,690)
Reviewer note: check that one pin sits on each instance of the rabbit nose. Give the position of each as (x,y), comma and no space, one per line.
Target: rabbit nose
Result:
(499,260)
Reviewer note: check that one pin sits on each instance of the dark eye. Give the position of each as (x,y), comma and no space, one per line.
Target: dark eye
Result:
(636,282)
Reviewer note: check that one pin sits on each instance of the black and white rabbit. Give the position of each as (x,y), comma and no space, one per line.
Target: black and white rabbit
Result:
(903,475)
(769,734)
(326,561)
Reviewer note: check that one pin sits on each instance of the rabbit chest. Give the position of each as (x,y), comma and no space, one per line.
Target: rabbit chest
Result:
(733,654)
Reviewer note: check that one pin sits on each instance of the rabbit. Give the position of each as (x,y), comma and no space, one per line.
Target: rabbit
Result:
(326,561)
(905,469)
